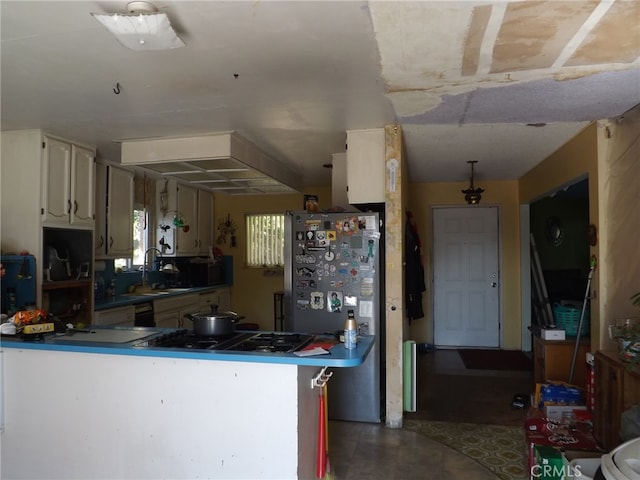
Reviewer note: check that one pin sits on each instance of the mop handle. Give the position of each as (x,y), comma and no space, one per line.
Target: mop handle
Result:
(592,268)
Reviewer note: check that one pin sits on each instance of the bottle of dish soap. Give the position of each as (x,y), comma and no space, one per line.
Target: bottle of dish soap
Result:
(350,331)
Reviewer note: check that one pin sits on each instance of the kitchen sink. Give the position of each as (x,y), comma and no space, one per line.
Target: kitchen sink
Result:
(156,293)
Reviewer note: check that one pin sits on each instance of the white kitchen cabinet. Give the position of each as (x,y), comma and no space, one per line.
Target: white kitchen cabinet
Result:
(121,316)
(195,208)
(187,205)
(100,230)
(365,166)
(68,183)
(169,312)
(49,170)
(167,319)
(205,222)
(113,235)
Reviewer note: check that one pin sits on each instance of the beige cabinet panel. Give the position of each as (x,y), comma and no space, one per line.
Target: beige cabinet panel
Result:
(195,207)
(187,206)
(365,165)
(100,230)
(205,221)
(56,167)
(122,316)
(68,183)
(120,213)
(82,196)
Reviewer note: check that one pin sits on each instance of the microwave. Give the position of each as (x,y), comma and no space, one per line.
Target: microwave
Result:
(205,274)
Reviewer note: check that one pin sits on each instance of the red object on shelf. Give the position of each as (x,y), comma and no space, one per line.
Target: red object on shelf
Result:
(321,455)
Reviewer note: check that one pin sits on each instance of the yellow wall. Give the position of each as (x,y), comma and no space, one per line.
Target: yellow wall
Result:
(252,291)
(619,222)
(574,160)
(504,194)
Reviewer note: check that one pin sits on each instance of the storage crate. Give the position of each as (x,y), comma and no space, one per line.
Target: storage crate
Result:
(568,318)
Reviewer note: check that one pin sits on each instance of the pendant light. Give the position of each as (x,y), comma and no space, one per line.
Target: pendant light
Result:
(472,195)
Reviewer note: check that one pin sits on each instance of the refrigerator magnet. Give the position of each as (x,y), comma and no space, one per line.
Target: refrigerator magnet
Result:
(317,300)
(334,305)
(350,300)
(366,287)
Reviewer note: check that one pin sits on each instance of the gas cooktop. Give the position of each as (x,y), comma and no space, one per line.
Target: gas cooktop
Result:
(266,342)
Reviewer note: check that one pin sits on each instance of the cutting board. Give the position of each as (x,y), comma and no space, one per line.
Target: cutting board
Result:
(104,336)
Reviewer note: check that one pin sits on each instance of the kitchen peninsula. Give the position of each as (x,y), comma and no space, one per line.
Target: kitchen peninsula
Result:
(114,411)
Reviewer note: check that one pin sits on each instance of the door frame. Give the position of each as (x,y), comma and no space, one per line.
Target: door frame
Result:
(432,270)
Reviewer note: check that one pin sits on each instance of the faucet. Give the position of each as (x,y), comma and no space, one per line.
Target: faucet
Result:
(144,263)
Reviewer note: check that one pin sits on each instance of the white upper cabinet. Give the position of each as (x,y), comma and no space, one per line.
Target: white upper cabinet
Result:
(100,231)
(113,235)
(187,209)
(205,221)
(185,219)
(365,165)
(68,183)
(119,213)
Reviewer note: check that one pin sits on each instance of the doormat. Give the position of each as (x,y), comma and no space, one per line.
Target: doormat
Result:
(479,359)
(500,448)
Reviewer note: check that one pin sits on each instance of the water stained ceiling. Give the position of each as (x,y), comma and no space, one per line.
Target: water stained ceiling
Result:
(502,82)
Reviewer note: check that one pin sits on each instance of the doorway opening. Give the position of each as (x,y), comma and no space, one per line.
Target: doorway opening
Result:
(560,225)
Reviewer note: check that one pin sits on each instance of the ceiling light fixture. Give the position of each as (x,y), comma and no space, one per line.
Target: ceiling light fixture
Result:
(472,195)
(142,28)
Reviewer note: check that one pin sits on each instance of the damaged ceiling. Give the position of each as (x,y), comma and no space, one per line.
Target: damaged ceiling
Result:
(505,83)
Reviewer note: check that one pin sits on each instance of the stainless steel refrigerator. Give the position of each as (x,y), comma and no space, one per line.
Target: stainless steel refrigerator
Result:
(333,265)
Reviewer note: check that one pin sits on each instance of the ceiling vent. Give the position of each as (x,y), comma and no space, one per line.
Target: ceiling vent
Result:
(221,162)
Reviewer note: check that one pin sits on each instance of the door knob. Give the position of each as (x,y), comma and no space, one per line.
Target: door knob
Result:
(494,284)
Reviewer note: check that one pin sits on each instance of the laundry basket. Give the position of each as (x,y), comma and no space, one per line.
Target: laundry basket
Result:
(568,318)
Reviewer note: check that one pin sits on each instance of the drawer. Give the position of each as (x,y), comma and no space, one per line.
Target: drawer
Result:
(175,302)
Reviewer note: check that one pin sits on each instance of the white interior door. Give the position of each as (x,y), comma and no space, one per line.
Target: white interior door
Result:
(466,285)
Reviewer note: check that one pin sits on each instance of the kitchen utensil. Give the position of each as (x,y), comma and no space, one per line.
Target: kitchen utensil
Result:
(321,451)
(328,474)
(24,273)
(170,268)
(214,322)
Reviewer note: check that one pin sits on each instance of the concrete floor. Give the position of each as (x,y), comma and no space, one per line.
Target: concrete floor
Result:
(446,391)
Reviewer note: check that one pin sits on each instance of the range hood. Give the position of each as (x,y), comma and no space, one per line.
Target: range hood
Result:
(220,162)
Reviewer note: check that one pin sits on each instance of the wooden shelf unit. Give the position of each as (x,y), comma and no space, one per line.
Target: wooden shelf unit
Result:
(75,295)
(617,387)
(552,360)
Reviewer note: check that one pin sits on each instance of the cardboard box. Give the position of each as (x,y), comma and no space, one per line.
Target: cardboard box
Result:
(555,412)
(552,334)
(549,463)
(558,393)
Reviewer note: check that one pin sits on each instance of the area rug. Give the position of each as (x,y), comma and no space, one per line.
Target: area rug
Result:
(480,359)
(499,448)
